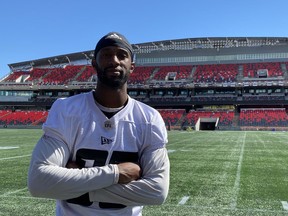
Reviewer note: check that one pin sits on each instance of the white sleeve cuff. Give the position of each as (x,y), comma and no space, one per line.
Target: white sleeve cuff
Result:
(116,178)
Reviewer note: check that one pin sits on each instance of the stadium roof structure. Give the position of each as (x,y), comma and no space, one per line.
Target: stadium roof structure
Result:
(55,60)
(188,44)
(209,43)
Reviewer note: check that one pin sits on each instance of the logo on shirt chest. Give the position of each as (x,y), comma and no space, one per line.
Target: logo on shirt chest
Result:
(108,125)
(105,141)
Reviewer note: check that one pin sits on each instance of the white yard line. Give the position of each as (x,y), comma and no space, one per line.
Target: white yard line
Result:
(171,151)
(180,141)
(183,200)
(238,175)
(10,158)
(28,197)
(13,192)
(8,147)
(285,205)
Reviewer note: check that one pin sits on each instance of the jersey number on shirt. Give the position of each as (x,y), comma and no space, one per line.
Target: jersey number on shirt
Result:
(92,158)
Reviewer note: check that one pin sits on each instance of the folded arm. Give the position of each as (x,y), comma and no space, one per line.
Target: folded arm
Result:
(150,189)
(48,177)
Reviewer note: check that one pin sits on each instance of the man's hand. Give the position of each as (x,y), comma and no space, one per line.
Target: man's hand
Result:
(128,172)
(72,165)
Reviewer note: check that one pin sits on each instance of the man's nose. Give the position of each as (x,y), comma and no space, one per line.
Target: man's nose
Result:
(115,59)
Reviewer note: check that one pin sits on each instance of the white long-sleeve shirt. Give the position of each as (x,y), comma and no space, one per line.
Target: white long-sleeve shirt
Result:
(76,129)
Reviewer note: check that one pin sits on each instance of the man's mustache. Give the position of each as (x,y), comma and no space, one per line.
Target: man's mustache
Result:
(113,69)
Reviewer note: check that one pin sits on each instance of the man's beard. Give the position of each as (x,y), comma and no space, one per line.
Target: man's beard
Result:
(112,82)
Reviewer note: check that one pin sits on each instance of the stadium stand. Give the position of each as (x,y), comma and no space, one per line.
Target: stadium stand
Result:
(172,116)
(225,117)
(264,70)
(216,73)
(86,73)
(140,75)
(173,72)
(9,117)
(269,117)
(15,76)
(246,78)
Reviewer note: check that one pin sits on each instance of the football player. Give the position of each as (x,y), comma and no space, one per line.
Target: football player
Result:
(102,152)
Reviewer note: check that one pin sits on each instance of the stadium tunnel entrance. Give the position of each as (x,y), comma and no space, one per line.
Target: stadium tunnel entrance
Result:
(207,124)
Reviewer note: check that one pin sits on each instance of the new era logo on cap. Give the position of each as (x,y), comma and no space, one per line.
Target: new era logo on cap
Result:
(114,35)
(114,39)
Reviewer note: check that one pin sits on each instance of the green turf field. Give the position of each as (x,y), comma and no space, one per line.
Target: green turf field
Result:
(212,173)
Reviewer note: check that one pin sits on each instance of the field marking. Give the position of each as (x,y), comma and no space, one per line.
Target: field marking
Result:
(12,192)
(171,151)
(248,210)
(28,197)
(9,158)
(8,194)
(180,141)
(8,147)
(285,205)
(183,200)
(236,187)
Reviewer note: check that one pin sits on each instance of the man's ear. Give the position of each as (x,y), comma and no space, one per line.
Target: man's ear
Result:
(93,62)
(132,67)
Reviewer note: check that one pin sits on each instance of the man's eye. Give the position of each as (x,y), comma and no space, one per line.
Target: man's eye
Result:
(106,53)
(122,55)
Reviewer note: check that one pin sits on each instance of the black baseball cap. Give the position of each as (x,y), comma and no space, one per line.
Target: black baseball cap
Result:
(114,39)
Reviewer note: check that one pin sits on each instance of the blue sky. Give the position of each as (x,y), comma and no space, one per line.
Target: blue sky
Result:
(34,29)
